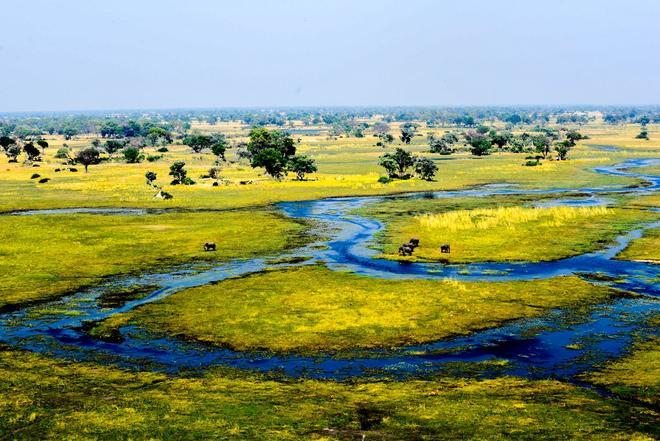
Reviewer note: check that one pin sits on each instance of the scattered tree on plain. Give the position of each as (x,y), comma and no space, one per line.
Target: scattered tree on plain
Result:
(132,155)
(397,164)
(408,131)
(88,156)
(180,174)
(425,169)
(33,153)
(301,166)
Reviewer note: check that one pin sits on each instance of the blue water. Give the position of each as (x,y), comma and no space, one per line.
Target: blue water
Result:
(560,344)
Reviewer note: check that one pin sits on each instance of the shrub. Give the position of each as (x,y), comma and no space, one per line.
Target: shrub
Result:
(384,180)
(35,176)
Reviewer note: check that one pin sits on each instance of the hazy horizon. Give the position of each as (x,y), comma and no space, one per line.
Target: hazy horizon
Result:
(201,54)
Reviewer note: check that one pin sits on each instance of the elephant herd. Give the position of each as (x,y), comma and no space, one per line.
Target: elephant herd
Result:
(408,248)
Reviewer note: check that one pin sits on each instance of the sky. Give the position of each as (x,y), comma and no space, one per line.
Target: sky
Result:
(137,54)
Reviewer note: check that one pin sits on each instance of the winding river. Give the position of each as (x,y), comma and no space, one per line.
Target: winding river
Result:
(559,344)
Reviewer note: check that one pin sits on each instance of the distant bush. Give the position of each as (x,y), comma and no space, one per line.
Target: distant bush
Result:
(44,180)
(35,176)
(384,180)
(163,150)
(62,153)
(154,158)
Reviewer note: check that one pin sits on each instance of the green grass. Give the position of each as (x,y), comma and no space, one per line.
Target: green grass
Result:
(347,166)
(42,398)
(47,255)
(647,248)
(495,229)
(312,309)
(636,375)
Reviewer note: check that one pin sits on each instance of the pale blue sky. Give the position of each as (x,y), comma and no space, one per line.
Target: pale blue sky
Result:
(126,54)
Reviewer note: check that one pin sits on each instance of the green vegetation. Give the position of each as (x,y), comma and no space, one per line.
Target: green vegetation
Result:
(636,375)
(239,160)
(42,398)
(647,248)
(506,233)
(313,309)
(48,255)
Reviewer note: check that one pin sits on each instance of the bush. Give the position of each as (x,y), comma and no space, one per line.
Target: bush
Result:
(35,176)
(163,150)
(154,158)
(44,180)
(62,153)
(384,180)
(533,163)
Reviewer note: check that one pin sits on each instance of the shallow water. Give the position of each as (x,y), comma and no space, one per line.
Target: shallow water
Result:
(560,344)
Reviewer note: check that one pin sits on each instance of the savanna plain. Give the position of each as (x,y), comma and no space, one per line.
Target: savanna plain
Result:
(106,221)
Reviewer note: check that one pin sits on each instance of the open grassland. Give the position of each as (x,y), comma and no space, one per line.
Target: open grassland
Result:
(312,309)
(487,229)
(48,255)
(347,166)
(41,398)
(647,248)
(636,375)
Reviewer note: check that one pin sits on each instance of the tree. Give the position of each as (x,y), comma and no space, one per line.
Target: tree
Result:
(272,161)
(271,150)
(573,136)
(384,139)
(151,177)
(112,146)
(198,142)
(643,134)
(69,132)
(439,145)
(425,168)
(408,131)
(180,174)
(396,164)
(132,155)
(43,144)
(158,134)
(479,143)
(541,144)
(31,151)
(88,156)
(500,139)
(219,146)
(301,165)
(6,141)
(563,148)
(12,152)
(214,173)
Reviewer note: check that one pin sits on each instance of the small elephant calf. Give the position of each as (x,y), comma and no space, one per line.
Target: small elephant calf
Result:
(445,248)
(414,242)
(209,246)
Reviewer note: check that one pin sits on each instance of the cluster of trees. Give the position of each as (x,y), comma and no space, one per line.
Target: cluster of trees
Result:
(216,142)
(399,164)
(275,151)
(482,141)
(13,148)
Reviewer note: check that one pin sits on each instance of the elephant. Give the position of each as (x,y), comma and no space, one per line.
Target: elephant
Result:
(406,249)
(445,248)
(209,246)
(414,242)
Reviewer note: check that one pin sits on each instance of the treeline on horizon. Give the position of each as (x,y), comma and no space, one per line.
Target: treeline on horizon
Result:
(341,120)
